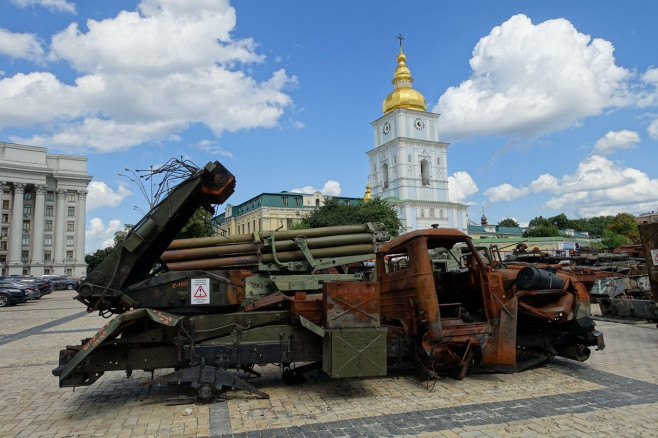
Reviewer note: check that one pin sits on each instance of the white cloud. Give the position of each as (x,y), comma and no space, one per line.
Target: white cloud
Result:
(461,186)
(533,79)
(53,5)
(145,77)
(652,129)
(331,188)
(599,186)
(98,235)
(504,192)
(101,195)
(20,45)
(213,148)
(615,140)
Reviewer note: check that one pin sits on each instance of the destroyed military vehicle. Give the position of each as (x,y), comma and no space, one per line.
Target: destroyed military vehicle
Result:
(213,309)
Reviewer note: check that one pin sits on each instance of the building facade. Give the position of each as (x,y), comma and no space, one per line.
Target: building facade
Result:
(272,212)
(43,212)
(408,166)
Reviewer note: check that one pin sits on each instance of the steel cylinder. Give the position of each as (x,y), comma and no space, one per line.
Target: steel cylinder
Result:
(531,278)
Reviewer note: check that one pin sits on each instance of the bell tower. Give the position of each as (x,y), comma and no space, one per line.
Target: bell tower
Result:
(408,165)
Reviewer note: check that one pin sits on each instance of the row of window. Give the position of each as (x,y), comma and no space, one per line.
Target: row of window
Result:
(50,196)
(47,256)
(47,240)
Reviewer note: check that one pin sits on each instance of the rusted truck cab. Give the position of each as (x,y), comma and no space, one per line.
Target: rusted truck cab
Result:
(461,311)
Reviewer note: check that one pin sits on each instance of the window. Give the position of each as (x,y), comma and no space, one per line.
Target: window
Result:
(5,232)
(71,196)
(26,226)
(69,240)
(298,202)
(27,195)
(25,255)
(249,227)
(50,196)
(5,218)
(284,200)
(49,210)
(69,272)
(27,210)
(26,240)
(5,204)
(46,271)
(425,172)
(3,245)
(48,226)
(385,175)
(70,226)
(48,240)
(3,260)
(46,256)
(71,211)
(69,256)
(317,202)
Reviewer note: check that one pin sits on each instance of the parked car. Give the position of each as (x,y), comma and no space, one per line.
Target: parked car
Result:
(60,282)
(12,295)
(44,286)
(32,292)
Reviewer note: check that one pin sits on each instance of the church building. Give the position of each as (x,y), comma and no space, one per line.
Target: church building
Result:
(408,166)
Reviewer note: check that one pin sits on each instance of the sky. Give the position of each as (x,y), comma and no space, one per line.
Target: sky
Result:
(549,107)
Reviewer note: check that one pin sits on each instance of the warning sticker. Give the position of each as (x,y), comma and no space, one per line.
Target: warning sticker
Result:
(654,256)
(200,290)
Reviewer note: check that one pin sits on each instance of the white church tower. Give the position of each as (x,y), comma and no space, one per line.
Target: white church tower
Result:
(408,166)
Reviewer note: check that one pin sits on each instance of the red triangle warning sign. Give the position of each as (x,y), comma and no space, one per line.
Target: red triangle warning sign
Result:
(200,293)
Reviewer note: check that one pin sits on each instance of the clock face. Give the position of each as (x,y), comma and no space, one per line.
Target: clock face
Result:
(387,128)
(419,124)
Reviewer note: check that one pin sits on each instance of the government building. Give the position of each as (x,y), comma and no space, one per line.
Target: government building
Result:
(43,212)
(272,212)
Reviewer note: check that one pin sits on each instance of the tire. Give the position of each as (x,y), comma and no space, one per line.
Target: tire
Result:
(69,287)
(4,300)
(39,296)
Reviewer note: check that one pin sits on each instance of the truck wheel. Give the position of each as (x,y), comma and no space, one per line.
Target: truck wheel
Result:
(69,286)
(4,300)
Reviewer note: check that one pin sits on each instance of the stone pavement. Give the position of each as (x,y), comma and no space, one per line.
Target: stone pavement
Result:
(614,393)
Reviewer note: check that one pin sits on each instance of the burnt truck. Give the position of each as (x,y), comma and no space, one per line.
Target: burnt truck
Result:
(212,309)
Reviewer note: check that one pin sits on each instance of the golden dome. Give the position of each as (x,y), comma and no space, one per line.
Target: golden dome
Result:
(367,196)
(403,96)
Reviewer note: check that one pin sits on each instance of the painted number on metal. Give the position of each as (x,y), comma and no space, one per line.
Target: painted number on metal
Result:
(200,288)
(654,256)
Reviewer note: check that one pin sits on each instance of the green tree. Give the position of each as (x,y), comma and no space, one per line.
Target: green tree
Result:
(333,213)
(508,222)
(95,259)
(199,225)
(561,221)
(625,224)
(612,240)
(548,230)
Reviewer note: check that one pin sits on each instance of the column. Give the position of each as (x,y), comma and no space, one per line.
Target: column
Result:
(38,225)
(80,225)
(16,230)
(60,235)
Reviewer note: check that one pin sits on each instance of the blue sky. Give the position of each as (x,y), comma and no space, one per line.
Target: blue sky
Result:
(548,107)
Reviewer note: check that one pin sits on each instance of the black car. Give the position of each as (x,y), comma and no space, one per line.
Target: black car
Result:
(60,282)
(43,285)
(10,295)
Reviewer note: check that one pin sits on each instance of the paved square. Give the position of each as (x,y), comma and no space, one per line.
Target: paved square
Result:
(614,393)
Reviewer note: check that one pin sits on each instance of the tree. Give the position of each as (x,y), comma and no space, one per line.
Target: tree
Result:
(548,230)
(612,240)
(199,225)
(508,222)
(625,224)
(96,258)
(333,213)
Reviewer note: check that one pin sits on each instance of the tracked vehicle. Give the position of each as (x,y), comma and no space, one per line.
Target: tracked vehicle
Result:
(310,299)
